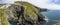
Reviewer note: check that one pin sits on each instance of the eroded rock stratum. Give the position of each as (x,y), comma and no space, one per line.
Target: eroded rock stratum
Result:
(22,13)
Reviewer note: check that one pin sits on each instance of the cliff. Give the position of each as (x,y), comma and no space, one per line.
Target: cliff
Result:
(22,13)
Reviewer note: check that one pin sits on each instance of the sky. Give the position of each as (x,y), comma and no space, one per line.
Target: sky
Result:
(49,4)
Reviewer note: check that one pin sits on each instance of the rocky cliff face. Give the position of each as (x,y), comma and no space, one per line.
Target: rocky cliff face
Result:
(24,13)
(28,14)
(3,16)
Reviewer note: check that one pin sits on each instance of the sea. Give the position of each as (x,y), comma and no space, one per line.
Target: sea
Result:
(51,16)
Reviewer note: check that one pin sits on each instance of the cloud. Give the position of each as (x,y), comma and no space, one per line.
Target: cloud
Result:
(9,1)
(45,4)
(49,4)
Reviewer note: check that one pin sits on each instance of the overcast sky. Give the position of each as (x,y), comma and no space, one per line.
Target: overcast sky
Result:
(49,4)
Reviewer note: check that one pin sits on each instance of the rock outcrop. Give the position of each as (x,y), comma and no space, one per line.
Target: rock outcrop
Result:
(24,13)
(57,23)
(27,13)
(3,16)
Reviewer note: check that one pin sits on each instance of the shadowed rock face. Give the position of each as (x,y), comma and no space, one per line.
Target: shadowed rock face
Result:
(24,13)
(27,13)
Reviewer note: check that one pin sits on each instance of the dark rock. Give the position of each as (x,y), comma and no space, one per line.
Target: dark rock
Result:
(29,15)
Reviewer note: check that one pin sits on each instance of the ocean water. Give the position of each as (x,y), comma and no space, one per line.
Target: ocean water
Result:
(52,16)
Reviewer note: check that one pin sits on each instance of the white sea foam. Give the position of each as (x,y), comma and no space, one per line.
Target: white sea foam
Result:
(46,18)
